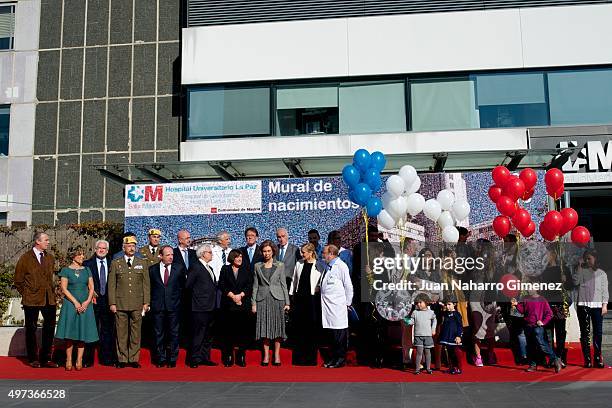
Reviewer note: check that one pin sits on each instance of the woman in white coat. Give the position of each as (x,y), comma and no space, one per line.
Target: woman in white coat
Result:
(306,306)
(336,297)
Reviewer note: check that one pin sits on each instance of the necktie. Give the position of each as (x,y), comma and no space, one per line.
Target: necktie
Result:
(186,258)
(166,275)
(251,254)
(212,274)
(153,250)
(102,278)
(281,256)
(40,257)
(223,257)
(129,262)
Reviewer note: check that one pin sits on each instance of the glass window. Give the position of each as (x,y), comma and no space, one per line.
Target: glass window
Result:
(511,100)
(215,112)
(7,27)
(580,97)
(443,104)
(371,108)
(5,116)
(308,110)
(3,218)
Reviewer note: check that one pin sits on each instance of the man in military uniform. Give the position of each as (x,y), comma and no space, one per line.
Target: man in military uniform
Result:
(129,294)
(150,252)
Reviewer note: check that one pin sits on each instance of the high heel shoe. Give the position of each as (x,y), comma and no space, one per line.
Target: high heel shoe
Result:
(276,364)
(264,363)
(78,367)
(68,367)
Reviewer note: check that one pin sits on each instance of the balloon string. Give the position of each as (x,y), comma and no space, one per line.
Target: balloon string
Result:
(365,219)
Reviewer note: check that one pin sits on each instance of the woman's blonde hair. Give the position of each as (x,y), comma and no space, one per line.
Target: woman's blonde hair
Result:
(311,248)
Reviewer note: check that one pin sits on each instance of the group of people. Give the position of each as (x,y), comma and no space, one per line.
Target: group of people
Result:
(269,291)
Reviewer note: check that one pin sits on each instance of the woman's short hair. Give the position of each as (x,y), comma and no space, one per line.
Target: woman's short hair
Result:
(72,253)
(272,245)
(234,253)
(310,248)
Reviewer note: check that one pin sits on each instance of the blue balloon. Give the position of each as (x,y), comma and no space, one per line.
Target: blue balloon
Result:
(377,161)
(374,206)
(350,175)
(362,194)
(372,178)
(361,159)
(351,195)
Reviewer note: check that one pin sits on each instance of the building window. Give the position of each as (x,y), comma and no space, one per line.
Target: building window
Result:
(580,97)
(5,121)
(372,107)
(3,218)
(511,100)
(7,26)
(443,104)
(219,112)
(310,110)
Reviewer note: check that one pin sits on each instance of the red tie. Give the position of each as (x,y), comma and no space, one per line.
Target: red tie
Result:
(166,275)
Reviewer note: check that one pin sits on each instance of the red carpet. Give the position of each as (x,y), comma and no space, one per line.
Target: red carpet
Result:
(505,371)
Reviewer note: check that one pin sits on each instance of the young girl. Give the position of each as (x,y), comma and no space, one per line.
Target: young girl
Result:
(424,320)
(450,336)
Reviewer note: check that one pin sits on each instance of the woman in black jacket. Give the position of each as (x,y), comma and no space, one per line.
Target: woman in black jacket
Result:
(236,285)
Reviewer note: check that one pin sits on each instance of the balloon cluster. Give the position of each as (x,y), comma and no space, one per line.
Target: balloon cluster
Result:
(364,181)
(558,223)
(402,198)
(505,193)
(508,189)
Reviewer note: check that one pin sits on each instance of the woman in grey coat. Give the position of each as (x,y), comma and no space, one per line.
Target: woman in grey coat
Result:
(270,301)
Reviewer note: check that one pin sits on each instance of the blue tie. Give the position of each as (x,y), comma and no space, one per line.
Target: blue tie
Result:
(186,258)
(102,278)
(251,254)
(282,254)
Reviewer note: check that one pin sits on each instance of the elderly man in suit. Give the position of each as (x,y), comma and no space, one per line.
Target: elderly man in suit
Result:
(99,265)
(184,256)
(203,285)
(221,252)
(129,294)
(150,252)
(35,281)
(251,252)
(288,253)
(167,281)
(336,297)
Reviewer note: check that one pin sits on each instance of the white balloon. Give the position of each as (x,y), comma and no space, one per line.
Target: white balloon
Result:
(398,207)
(415,203)
(408,174)
(432,209)
(461,209)
(387,197)
(446,219)
(416,185)
(385,220)
(446,198)
(450,234)
(395,185)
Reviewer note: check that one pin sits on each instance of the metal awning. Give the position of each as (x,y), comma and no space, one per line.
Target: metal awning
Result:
(169,172)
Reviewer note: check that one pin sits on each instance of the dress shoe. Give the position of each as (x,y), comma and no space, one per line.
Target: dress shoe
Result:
(599,363)
(208,363)
(34,364)
(172,364)
(329,363)
(240,359)
(135,365)
(531,368)
(338,364)
(160,364)
(558,365)
(121,365)
(193,365)
(51,364)
(587,362)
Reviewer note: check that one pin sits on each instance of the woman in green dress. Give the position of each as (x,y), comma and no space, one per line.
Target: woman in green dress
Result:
(77,322)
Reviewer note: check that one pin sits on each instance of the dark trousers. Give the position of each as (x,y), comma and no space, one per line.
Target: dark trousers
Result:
(586,316)
(48,331)
(454,355)
(105,321)
(201,340)
(555,329)
(537,342)
(339,344)
(166,329)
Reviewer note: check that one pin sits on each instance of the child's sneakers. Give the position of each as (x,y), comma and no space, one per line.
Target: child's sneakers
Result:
(417,372)
(478,361)
(429,371)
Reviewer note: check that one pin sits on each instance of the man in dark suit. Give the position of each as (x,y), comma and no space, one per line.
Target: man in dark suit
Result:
(35,281)
(99,265)
(184,256)
(251,253)
(288,253)
(167,280)
(203,285)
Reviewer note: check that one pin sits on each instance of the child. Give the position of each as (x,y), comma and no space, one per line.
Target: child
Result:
(537,314)
(424,320)
(450,336)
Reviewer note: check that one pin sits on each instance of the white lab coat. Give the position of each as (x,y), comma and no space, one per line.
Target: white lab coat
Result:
(336,296)
(217,260)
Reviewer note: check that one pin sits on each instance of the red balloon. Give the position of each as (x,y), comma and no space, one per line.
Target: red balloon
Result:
(554,179)
(570,220)
(553,221)
(529,177)
(506,206)
(501,226)
(529,229)
(514,188)
(546,234)
(527,194)
(521,219)
(500,175)
(494,193)
(581,236)
(510,283)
